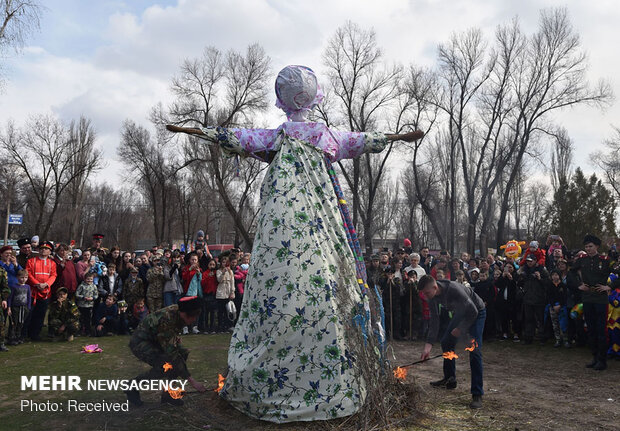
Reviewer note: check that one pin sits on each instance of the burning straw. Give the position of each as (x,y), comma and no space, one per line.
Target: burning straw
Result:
(389,402)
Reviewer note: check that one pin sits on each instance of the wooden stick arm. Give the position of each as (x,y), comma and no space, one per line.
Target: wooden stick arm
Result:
(188,130)
(407,137)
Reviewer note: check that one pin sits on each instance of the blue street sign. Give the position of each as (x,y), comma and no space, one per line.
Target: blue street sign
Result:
(16,218)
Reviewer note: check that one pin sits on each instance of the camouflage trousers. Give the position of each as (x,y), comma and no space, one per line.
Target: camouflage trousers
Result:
(72,327)
(154,303)
(151,354)
(3,325)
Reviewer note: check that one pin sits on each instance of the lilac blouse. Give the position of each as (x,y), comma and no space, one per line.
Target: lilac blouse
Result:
(336,144)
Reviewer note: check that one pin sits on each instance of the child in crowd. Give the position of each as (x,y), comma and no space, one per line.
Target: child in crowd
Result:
(460,278)
(19,304)
(225,292)
(209,288)
(109,283)
(440,275)
(538,254)
(485,289)
(557,293)
(123,318)
(139,312)
(85,296)
(474,276)
(241,273)
(133,289)
(106,317)
(63,318)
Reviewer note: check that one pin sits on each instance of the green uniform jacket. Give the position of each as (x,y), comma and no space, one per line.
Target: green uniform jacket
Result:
(65,313)
(593,270)
(161,331)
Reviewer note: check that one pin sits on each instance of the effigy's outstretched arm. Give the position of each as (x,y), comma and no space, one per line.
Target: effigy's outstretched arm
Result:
(256,143)
(407,137)
(188,130)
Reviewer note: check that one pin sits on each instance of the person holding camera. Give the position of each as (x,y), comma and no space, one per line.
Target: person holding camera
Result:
(173,288)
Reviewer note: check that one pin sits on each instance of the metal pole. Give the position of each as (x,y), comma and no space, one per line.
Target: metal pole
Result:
(391,313)
(6,225)
(410,312)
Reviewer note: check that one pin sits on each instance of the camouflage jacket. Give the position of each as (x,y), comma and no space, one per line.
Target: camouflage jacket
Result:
(161,329)
(64,313)
(4,285)
(133,290)
(156,279)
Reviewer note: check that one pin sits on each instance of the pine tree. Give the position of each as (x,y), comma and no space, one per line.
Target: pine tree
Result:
(582,206)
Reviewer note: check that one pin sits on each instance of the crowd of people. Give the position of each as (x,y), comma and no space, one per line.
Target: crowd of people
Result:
(547,293)
(98,292)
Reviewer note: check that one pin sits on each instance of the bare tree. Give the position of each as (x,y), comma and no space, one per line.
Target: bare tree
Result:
(43,154)
(18,19)
(609,162)
(561,159)
(221,90)
(363,93)
(84,158)
(152,164)
(550,74)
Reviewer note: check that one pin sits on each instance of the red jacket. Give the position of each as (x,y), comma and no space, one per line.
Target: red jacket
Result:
(66,276)
(187,276)
(209,282)
(240,276)
(41,270)
(539,255)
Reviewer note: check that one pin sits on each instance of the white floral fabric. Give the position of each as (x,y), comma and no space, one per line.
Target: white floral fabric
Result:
(290,357)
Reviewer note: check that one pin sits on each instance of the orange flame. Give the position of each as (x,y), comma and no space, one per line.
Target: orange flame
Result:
(220,383)
(450,355)
(175,394)
(167,367)
(472,347)
(400,373)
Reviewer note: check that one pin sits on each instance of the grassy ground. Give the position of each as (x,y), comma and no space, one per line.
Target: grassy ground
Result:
(527,388)
(207,359)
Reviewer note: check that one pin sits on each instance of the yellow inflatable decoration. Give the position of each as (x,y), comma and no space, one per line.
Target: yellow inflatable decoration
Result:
(512,248)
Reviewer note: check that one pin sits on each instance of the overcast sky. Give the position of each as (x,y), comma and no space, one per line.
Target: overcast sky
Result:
(112,60)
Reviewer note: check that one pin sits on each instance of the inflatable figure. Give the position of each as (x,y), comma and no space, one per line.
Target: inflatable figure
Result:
(512,248)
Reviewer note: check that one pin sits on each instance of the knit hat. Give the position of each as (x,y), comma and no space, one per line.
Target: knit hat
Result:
(407,242)
(534,244)
(34,239)
(5,248)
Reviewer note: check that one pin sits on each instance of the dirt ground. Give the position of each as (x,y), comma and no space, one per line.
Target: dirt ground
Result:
(526,388)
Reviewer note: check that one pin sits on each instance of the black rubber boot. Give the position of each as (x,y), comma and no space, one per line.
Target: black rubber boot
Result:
(439,383)
(592,363)
(476,402)
(133,396)
(600,366)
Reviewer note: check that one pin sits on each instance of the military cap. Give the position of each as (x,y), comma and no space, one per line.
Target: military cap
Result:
(134,269)
(189,304)
(61,290)
(374,257)
(47,244)
(591,238)
(98,236)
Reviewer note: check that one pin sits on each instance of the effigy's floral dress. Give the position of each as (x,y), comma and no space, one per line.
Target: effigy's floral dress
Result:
(290,356)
